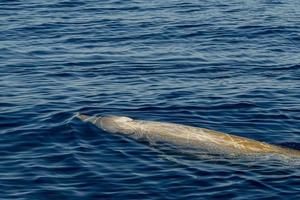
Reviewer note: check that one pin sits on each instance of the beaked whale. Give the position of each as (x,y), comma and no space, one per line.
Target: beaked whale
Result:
(213,141)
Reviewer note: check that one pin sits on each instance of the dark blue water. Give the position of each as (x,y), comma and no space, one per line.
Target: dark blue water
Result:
(232,66)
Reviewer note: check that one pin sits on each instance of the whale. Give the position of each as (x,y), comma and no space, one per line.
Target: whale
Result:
(187,136)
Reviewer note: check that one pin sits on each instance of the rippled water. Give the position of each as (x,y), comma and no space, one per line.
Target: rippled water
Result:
(232,66)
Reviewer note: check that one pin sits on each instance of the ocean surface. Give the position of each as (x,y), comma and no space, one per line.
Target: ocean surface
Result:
(231,66)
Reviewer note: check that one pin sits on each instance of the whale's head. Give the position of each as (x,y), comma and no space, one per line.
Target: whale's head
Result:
(116,124)
(111,124)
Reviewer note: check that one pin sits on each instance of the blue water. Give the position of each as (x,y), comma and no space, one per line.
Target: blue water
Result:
(231,66)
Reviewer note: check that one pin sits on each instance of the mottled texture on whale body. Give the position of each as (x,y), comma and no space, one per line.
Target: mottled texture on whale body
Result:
(189,136)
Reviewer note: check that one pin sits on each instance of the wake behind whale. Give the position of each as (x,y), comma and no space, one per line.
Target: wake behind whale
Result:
(188,136)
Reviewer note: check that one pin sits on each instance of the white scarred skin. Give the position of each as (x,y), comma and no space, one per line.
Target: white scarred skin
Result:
(186,135)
